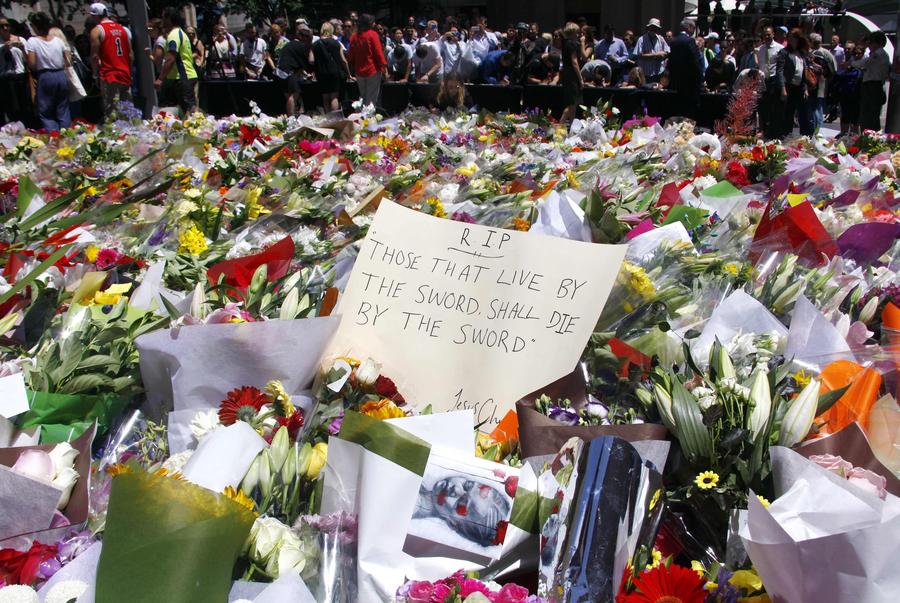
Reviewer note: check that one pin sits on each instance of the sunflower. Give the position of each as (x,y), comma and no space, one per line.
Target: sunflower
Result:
(672,584)
(707,480)
(280,399)
(241,404)
(382,409)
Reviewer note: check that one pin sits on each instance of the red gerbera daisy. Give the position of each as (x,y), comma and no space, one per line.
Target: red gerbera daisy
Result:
(241,404)
(672,584)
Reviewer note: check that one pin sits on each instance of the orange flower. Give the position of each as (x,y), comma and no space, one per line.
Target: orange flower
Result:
(381,410)
(520,224)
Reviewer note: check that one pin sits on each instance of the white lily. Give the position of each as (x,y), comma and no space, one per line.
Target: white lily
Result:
(799,417)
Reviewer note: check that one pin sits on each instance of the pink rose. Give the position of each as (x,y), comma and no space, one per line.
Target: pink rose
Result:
(832,463)
(420,592)
(868,481)
(35,464)
(512,593)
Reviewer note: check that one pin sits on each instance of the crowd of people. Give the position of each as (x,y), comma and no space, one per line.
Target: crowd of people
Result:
(779,49)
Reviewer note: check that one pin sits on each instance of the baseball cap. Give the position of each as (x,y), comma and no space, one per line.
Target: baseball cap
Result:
(782,28)
(521,25)
(654,23)
(712,36)
(98,9)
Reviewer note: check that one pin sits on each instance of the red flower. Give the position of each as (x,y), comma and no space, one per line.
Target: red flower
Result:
(672,584)
(385,388)
(241,404)
(249,134)
(737,174)
(21,567)
(500,535)
(757,154)
(293,423)
(853,150)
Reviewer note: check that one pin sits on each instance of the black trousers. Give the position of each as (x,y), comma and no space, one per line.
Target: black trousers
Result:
(771,110)
(872,96)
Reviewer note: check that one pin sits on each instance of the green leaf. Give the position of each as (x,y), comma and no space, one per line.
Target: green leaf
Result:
(96,361)
(27,191)
(32,276)
(692,433)
(85,383)
(50,210)
(828,399)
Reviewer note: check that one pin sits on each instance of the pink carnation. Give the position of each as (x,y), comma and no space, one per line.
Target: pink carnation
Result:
(441,592)
(470,586)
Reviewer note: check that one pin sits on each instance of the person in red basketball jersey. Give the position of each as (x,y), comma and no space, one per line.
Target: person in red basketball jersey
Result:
(111,59)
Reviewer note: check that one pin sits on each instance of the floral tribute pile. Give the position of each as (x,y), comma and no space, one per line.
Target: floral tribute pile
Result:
(739,392)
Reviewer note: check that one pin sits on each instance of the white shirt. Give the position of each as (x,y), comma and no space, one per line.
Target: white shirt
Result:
(646,44)
(254,52)
(481,45)
(876,67)
(451,54)
(423,65)
(49,55)
(766,57)
(18,60)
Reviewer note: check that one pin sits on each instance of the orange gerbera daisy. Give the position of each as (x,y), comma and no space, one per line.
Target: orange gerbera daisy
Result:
(241,404)
(672,584)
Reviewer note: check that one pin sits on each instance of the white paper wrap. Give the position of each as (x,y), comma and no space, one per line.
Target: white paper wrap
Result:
(812,339)
(823,540)
(738,313)
(223,457)
(196,366)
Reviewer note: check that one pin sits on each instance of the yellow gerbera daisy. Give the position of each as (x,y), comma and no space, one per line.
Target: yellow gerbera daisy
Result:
(763,501)
(238,496)
(707,480)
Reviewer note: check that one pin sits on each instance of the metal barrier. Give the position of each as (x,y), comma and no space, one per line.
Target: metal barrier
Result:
(234,96)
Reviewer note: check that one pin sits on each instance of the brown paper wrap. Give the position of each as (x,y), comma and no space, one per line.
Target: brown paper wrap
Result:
(851,444)
(540,435)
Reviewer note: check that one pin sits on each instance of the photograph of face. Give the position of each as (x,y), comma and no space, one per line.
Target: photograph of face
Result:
(464,505)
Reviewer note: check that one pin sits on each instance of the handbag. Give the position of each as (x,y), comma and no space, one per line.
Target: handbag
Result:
(76,89)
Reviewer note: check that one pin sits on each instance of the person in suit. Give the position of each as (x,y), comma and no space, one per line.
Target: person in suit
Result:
(685,70)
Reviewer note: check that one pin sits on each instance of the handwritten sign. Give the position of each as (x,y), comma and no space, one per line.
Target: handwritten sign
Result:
(470,317)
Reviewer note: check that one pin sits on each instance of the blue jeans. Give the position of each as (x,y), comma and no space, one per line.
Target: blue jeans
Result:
(53,100)
(818,113)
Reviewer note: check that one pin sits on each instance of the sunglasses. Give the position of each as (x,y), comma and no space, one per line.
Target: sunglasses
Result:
(4,25)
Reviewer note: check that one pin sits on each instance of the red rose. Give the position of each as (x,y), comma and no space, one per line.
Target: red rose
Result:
(737,174)
(511,485)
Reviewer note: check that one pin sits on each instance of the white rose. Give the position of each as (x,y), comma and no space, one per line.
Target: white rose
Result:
(18,593)
(265,538)
(65,591)
(65,480)
(63,457)
(289,559)
(367,372)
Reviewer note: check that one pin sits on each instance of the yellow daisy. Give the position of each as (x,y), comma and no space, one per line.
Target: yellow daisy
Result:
(238,496)
(763,501)
(707,480)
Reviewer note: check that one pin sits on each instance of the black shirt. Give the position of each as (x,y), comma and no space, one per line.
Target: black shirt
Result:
(294,57)
(327,53)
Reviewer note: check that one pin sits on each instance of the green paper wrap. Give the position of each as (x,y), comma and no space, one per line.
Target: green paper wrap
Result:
(169,540)
(64,417)
(386,440)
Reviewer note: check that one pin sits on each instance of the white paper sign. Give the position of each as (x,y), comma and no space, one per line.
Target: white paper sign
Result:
(470,317)
(13,399)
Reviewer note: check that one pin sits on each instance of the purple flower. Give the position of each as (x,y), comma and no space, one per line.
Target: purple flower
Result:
(73,545)
(158,236)
(566,416)
(335,426)
(461,216)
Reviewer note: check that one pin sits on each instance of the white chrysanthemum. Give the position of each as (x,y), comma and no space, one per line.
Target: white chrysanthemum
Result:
(176,462)
(204,422)
(18,593)
(63,592)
